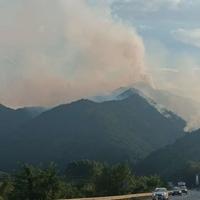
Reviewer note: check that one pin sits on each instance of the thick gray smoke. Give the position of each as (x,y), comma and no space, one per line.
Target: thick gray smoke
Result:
(57,51)
(181,80)
(53,52)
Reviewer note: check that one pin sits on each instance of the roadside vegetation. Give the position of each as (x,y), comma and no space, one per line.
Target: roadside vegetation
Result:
(80,179)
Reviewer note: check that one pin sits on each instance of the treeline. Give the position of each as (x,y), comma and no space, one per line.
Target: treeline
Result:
(81,179)
(187,173)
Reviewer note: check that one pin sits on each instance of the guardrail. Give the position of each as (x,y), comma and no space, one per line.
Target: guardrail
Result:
(129,196)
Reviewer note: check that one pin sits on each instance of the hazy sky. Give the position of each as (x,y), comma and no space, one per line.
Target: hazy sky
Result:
(173,24)
(171,33)
(57,51)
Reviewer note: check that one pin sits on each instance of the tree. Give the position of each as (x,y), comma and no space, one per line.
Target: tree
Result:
(188,173)
(83,179)
(82,175)
(114,180)
(153,182)
(6,188)
(148,183)
(33,183)
(83,170)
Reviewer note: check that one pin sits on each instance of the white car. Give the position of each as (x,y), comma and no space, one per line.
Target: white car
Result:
(160,194)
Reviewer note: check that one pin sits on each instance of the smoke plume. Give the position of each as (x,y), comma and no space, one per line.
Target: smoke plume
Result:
(57,51)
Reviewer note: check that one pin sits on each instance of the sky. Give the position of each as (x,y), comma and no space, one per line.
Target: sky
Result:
(53,52)
(173,24)
(170,30)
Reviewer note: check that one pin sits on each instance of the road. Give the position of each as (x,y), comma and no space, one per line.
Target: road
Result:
(192,195)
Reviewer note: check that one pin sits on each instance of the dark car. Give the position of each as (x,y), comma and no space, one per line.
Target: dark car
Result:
(176,191)
(184,189)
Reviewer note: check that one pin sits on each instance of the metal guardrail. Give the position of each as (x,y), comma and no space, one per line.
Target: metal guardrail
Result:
(129,196)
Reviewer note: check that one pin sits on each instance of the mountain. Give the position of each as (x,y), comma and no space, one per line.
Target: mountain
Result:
(186,108)
(112,131)
(110,96)
(33,111)
(11,119)
(178,160)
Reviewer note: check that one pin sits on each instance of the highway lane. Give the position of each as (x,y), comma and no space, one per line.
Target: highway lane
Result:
(192,195)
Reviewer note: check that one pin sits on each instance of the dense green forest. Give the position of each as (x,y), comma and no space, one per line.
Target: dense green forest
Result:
(80,179)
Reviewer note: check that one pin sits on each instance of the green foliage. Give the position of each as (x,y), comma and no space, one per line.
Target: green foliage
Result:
(5,185)
(148,183)
(82,179)
(72,191)
(6,188)
(114,180)
(82,174)
(188,172)
(97,179)
(83,171)
(33,183)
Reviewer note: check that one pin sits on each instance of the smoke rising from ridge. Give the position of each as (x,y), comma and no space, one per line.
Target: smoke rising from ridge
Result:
(53,52)
(57,51)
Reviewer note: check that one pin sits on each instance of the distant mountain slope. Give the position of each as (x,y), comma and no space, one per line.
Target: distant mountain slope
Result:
(114,95)
(172,160)
(112,131)
(33,111)
(186,108)
(11,119)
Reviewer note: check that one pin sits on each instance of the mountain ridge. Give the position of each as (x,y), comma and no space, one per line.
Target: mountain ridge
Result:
(175,160)
(115,131)
(186,108)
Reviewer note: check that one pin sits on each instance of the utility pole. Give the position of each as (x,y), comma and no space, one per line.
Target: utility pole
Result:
(197,180)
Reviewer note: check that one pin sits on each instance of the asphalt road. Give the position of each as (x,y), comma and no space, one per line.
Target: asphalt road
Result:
(192,195)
